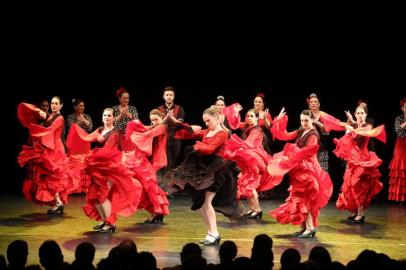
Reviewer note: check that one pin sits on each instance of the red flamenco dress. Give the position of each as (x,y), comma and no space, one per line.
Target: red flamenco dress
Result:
(103,164)
(148,156)
(310,186)
(49,172)
(361,178)
(252,159)
(397,167)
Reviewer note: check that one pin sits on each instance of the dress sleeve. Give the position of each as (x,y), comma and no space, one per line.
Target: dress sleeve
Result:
(209,148)
(278,129)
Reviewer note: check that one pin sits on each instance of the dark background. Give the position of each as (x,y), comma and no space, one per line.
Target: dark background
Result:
(338,78)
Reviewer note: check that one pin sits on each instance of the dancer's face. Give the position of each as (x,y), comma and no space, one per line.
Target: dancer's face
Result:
(124,99)
(306,121)
(251,118)
(44,106)
(220,105)
(107,117)
(210,121)
(314,103)
(360,115)
(155,119)
(56,105)
(258,104)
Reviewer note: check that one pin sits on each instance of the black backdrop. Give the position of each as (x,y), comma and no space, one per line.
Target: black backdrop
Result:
(338,79)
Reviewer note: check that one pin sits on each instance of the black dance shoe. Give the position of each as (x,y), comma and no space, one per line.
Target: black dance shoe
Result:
(99,226)
(310,234)
(155,219)
(351,218)
(59,210)
(255,214)
(108,228)
(359,221)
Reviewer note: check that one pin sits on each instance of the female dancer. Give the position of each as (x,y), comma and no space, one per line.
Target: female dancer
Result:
(229,116)
(148,157)
(112,190)
(252,159)
(123,113)
(361,177)
(49,179)
(314,106)
(79,117)
(397,167)
(207,174)
(310,186)
(84,121)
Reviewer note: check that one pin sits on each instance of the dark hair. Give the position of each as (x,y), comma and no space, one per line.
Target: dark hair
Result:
(156,112)
(77,101)
(17,252)
(169,88)
(220,98)
(361,107)
(261,95)
(58,98)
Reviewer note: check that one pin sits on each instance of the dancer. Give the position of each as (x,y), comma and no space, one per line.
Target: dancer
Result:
(50,178)
(148,157)
(314,106)
(310,186)
(112,191)
(397,167)
(229,116)
(205,172)
(361,178)
(80,118)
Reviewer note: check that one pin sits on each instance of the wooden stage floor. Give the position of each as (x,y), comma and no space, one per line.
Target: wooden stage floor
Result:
(384,231)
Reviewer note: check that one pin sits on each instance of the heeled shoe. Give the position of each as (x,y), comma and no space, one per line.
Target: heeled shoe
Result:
(211,240)
(351,218)
(310,234)
(99,226)
(248,213)
(299,232)
(155,219)
(108,228)
(59,210)
(255,214)
(359,221)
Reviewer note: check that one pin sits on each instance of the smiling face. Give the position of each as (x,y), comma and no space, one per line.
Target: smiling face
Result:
(107,117)
(56,105)
(360,114)
(258,104)
(210,121)
(124,99)
(306,122)
(314,104)
(220,105)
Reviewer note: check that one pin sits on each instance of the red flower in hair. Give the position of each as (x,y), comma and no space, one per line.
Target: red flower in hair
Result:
(261,95)
(120,91)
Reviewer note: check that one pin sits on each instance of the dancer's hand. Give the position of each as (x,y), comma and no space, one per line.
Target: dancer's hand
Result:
(281,113)
(196,128)
(42,114)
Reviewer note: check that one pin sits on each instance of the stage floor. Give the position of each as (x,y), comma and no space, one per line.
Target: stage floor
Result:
(384,231)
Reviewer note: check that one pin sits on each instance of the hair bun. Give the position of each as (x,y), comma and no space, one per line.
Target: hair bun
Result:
(220,98)
(260,95)
(120,91)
